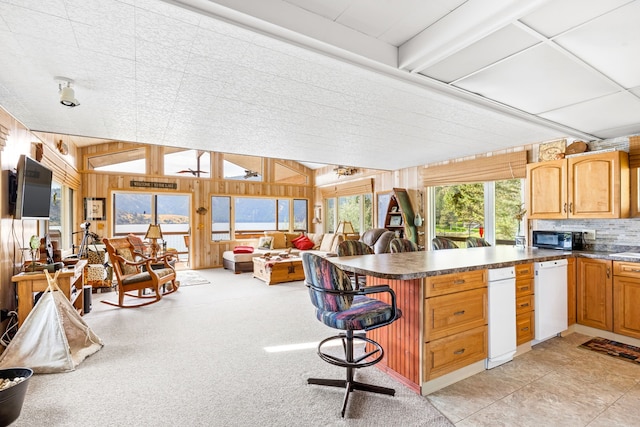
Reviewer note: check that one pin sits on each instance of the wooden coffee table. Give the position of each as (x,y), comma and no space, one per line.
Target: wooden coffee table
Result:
(278,270)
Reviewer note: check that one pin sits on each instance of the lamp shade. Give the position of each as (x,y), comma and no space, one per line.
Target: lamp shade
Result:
(154,232)
(345,227)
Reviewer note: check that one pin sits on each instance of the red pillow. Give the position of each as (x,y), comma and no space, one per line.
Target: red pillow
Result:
(243,250)
(303,243)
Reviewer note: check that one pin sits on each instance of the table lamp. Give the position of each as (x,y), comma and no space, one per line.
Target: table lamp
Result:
(154,233)
(345,227)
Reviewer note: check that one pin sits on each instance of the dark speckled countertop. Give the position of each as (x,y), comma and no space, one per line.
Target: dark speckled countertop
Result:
(414,265)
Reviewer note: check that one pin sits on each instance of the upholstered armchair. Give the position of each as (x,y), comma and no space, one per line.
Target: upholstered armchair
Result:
(402,245)
(378,239)
(476,242)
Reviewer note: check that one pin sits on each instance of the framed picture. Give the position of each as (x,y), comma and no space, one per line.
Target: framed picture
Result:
(95,208)
(395,221)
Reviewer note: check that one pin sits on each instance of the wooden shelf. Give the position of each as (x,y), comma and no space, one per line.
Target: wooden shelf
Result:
(400,208)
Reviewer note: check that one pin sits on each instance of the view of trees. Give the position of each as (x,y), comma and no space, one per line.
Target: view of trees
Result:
(460,209)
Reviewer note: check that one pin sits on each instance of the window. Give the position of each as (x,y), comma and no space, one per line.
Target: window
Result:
(355,208)
(383,205)
(255,215)
(133,212)
(236,166)
(220,218)
(189,163)
(479,210)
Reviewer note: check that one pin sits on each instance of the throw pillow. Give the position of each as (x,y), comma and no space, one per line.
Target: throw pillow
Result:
(265,242)
(303,243)
(327,242)
(289,237)
(279,241)
(316,238)
(243,249)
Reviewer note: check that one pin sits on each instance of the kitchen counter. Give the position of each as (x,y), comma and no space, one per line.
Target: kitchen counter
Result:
(416,265)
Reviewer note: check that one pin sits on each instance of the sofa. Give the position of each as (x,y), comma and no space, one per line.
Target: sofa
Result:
(240,260)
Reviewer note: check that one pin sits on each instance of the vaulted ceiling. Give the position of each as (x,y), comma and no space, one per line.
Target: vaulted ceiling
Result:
(370,83)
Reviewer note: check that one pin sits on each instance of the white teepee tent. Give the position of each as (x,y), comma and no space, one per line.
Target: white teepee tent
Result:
(53,338)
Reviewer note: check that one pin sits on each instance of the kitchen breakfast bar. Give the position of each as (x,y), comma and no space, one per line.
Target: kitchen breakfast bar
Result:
(441,336)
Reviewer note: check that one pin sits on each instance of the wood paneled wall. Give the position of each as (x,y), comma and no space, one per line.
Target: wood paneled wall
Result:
(207,254)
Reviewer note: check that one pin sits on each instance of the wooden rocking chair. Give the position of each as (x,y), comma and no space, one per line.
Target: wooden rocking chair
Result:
(138,273)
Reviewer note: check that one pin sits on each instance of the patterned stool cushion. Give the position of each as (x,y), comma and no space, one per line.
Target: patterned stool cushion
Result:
(364,312)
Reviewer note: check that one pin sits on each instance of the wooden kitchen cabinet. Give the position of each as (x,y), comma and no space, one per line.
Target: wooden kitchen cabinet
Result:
(586,186)
(594,293)
(571,291)
(525,298)
(626,294)
(455,322)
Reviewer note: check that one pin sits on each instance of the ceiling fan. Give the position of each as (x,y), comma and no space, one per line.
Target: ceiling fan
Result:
(192,172)
(248,173)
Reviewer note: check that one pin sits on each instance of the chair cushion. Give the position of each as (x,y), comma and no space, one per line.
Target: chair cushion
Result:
(127,255)
(327,242)
(289,238)
(364,313)
(136,278)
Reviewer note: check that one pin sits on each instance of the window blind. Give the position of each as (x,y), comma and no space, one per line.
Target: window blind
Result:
(363,186)
(480,169)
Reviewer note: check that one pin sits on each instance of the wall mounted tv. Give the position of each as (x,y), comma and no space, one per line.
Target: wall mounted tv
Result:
(33,192)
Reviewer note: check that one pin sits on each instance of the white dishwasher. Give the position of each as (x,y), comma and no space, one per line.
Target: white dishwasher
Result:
(550,291)
(502,316)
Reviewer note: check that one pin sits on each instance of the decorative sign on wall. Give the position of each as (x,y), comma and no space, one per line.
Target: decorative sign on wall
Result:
(148,184)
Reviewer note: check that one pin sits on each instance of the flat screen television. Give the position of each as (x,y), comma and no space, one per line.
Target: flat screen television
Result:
(33,193)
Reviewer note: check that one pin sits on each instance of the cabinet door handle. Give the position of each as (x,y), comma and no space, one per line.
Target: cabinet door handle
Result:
(571,207)
(458,313)
(526,328)
(564,207)
(608,272)
(526,304)
(458,282)
(459,351)
(524,288)
(635,270)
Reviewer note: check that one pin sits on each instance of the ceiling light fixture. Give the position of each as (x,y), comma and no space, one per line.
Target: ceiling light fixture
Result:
(344,171)
(67,94)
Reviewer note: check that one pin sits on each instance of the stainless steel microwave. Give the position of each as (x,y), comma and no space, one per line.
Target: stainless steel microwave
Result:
(563,240)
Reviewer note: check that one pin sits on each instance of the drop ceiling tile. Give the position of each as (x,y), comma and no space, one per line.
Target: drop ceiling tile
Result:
(538,80)
(621,109)
(486,51)
(330,9)
(105,14)
(375,18)
(37,24)
(610,44)
(155,55)
(167,10)
(103,40)
(558,16)
(165,31)
(53,7)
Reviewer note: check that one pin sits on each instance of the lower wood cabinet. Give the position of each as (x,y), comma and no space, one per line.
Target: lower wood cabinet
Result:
(454,352)
(525,298)
(626,295)
(455,322)
(594,293)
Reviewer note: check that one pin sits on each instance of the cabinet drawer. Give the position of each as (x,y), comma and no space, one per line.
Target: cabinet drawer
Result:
(628,269)
(524,271)
(524,327)
(449,314)
(456,282)
(524,304)
(524,287)
(457,351)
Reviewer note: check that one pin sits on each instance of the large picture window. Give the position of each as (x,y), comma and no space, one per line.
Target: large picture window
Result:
(478,210)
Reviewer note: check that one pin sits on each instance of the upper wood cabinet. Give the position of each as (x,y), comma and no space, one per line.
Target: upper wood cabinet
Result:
(587,186)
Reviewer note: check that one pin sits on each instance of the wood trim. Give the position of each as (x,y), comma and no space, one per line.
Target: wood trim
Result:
(634,151)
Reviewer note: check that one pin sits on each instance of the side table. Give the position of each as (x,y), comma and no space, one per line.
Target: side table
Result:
(70,281)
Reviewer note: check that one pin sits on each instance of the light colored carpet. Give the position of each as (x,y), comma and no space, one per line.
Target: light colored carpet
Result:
(198,358)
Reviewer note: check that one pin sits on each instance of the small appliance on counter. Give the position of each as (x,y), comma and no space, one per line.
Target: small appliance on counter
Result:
(562,240)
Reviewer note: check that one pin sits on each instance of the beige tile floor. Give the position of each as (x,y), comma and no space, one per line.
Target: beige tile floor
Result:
(555,384)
